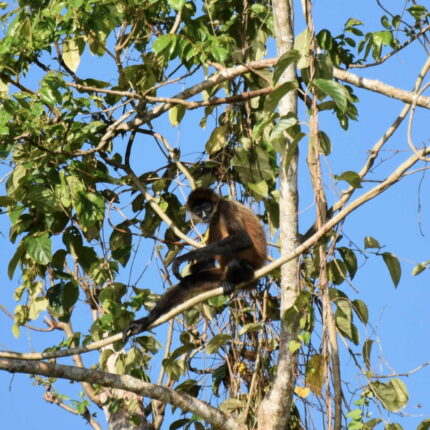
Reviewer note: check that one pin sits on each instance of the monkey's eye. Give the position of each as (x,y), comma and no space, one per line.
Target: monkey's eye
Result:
(206,207)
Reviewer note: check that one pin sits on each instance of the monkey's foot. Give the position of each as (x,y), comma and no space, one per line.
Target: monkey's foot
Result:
(228,287)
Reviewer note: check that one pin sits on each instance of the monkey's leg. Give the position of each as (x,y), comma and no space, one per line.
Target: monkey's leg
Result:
(227,247)
(237,271)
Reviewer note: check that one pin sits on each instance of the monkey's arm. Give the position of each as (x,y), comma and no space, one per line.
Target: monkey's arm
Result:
(226,247)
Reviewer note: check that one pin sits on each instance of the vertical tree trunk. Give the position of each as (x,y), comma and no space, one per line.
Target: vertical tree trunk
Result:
(274,411)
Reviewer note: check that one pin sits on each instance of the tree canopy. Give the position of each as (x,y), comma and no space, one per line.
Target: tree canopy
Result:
(111,112)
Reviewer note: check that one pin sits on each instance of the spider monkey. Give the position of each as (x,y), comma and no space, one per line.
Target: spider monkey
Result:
(236,240)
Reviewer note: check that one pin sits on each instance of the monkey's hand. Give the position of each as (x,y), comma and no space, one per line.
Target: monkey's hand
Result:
(135,327)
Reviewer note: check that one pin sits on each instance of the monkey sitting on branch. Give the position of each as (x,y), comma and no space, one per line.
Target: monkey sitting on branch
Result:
(236,240)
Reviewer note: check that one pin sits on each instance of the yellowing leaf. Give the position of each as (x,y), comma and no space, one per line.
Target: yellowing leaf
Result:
(302,392)
(315,374)
(71,55)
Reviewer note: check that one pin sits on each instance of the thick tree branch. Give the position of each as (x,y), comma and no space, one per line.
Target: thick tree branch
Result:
(123,382)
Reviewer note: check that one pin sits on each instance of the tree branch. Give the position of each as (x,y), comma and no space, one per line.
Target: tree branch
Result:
(123,382)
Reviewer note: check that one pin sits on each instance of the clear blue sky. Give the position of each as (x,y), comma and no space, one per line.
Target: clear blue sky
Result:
(399,317)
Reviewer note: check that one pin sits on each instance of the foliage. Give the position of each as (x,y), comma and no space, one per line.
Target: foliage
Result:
(80,198)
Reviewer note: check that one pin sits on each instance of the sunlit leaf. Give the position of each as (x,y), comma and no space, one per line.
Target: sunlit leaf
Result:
(217,139)
(302,392)
(336,90)
(251,327)
(216,342)
(393,395)
(290,57)
(275,96)
(176,114)
(71,55)
(39,248)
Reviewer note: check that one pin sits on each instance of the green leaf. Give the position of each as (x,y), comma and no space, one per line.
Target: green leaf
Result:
(361,310)
(302,45)
(371,424)
(350,260)
(217,139)
(164,44)
(62,297)
(290,57)
(355,415)
(285,123)
(20,251)
(176,114)
(393,426)
(216,342)
(261,124)
(335,90)
(275,96)
(71,55)
(367,349)
(420,268)
(39,248)
(352,22)
(120,243)
(424,425)
(394,267)
(325,143)
(37,306)
(393,395)
(176,4)
(325,39)
(260,188)
(370,242)
(417,11)
(386,22)
(250,328)
(343,319)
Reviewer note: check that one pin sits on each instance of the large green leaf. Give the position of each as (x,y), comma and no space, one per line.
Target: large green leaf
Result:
(39,248)
(275,96)
(393,394)
(290,57)
(335,90)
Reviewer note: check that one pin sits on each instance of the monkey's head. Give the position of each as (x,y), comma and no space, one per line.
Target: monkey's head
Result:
(202,204)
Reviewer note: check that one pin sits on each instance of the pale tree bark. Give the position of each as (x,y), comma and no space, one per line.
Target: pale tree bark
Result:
(130,415)
(274,411)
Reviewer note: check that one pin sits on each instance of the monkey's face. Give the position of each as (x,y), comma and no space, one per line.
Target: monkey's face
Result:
(203,211)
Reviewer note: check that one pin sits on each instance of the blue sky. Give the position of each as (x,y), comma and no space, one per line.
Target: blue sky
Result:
(399,317)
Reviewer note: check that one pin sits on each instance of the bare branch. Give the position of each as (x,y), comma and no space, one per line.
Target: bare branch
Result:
(380,87)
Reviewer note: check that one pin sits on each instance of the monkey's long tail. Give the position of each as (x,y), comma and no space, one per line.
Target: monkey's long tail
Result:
(190,286)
